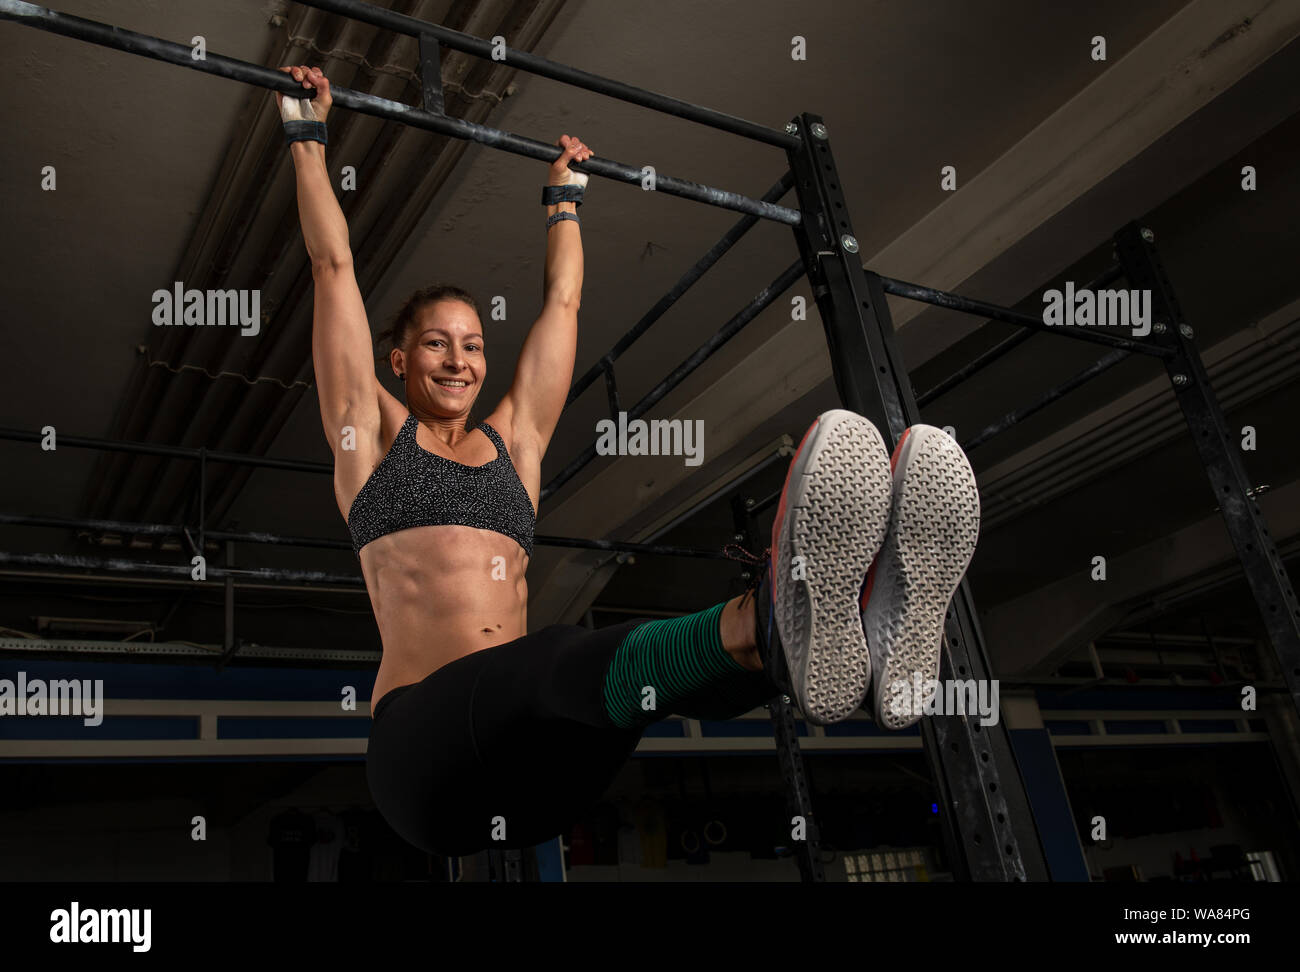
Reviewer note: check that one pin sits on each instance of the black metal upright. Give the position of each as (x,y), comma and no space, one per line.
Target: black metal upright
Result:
(988,824)
(1218,450)
(785,732)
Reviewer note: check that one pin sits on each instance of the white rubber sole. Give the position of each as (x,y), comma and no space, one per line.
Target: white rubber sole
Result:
(933,530)
(830,525)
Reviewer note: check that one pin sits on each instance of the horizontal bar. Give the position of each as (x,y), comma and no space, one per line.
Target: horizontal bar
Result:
(138,648)
(179,55)
(121,566)
(172,451)
(533,64)
(687,280)
(940,298)
(729,330)
(617,546)
(107,526)
(272,538)
(1018,416)
(167,529)
(1109,275)
(136,580)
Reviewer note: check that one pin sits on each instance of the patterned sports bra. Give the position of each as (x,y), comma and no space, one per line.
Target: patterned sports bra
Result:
(413,487)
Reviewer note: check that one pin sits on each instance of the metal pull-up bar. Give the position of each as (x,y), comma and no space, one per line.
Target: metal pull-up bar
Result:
(144,45)
(533,64)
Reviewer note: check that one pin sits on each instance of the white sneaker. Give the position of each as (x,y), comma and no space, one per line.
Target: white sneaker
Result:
(933,528)
(829,525)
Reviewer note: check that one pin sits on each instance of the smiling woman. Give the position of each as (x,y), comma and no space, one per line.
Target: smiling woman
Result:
(485,735)
(421,319)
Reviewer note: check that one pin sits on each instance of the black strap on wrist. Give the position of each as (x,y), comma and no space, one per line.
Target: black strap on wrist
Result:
(558,194)
(305,131)
(552,220)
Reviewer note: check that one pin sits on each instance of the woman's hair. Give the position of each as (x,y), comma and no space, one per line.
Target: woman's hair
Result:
(406,316)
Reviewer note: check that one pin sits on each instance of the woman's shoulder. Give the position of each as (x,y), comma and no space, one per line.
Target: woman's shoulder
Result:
(501,421)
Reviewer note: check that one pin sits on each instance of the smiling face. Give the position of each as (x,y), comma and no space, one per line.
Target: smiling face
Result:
(443,358)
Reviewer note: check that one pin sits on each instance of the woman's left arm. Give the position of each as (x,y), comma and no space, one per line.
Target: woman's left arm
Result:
(545,369)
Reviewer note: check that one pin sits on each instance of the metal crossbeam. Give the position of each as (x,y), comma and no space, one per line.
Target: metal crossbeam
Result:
(1004,346)
(180,530)
(980,308)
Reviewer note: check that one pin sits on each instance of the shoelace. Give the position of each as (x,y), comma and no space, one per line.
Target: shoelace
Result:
(759,563)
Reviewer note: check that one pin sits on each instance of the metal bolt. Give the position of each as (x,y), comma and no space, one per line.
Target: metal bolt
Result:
(818,130)
(737,537)
(750,503)
(791,128)
(1159,327)
(1180,380)
(1185,330)
(785,699)
(745,575)
(849,243)
(1148,235)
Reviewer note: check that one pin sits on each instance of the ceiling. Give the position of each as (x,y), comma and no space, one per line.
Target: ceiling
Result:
(174,175)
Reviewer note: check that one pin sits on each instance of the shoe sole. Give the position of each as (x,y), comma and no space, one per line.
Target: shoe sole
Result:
(933,530)
(834,513)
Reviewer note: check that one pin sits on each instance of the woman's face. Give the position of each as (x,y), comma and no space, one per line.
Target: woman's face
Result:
(444,360)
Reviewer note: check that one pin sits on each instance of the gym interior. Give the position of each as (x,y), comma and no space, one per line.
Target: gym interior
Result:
(1130,602)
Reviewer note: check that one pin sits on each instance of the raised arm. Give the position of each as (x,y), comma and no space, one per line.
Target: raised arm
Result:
(341,344)
(545,368)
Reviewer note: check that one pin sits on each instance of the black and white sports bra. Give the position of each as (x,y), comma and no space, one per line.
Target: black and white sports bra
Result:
(413,487)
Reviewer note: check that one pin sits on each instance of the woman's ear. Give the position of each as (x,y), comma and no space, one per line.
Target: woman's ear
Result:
(397,358)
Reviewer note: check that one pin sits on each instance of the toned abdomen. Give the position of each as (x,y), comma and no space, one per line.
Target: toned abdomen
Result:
(439,593)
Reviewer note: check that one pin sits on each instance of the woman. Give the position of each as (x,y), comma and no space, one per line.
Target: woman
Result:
(483,735)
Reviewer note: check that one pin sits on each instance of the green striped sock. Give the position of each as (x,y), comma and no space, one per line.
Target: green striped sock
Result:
(691,674)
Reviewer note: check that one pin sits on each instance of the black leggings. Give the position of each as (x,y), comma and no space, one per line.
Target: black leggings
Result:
(515,734)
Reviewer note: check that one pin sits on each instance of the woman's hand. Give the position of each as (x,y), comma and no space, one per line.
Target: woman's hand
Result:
(303,109)
(561,174)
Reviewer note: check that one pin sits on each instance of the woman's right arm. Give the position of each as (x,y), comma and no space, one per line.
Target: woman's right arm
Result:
(341,345)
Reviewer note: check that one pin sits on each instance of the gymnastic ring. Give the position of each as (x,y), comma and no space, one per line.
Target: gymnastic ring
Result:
(682,841)
(719,823)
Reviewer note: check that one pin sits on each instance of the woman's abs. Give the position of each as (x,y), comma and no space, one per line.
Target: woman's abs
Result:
(440,593)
